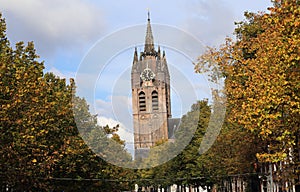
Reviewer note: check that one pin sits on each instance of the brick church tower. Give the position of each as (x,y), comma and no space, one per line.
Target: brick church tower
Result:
(151,106)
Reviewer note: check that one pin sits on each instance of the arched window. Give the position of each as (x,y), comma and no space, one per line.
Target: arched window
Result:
(142,101)
(154,100)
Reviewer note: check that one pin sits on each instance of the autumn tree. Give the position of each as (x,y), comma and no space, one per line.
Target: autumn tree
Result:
(40,145)
(262,82)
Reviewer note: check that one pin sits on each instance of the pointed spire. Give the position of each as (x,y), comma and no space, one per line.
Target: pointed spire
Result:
(135,58)
(158,53)
(135,61)
(164,64)
(149,43)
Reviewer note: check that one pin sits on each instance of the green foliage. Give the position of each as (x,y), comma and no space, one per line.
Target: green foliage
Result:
(188,165)
(40,148)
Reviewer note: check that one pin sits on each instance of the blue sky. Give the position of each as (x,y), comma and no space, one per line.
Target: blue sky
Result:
(66,32)
(63,31)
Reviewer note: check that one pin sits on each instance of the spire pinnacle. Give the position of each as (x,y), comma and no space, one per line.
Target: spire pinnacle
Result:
(158,52)
(135,57)
(149,43)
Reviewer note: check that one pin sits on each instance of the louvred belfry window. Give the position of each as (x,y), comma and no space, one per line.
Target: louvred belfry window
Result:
(142,101)
(154,100)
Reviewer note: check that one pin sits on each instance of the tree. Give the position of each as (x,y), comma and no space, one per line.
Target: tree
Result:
(186,168)
(192,167)
(40,148)
(262,82)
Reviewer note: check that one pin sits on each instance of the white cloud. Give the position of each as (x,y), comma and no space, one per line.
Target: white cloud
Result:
(123,132)
(116,107)
(104,108)
(211,21)
(53,24)
(115,111)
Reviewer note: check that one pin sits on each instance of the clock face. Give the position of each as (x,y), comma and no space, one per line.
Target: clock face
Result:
(147,75)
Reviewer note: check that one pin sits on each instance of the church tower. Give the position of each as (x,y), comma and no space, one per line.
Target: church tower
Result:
(151,106)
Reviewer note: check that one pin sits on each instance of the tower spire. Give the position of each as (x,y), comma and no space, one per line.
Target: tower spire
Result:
(135,57)
(149,42)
